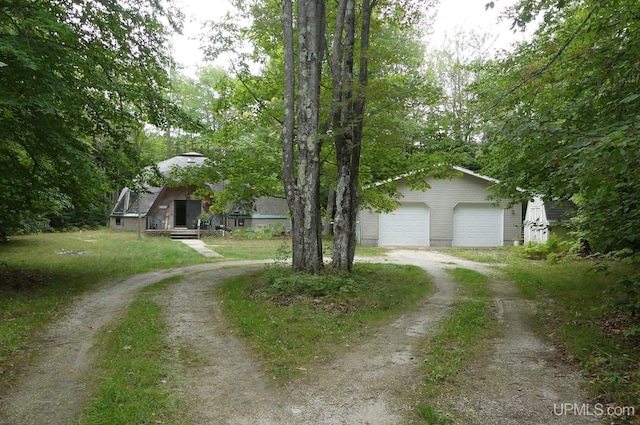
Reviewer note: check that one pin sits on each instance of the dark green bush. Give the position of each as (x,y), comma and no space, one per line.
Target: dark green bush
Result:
(628,295)
(280,281)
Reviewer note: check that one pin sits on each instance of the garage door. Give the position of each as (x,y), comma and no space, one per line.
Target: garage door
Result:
(477,225)
(406,226)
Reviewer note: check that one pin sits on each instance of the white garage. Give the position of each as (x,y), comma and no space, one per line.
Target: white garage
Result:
(406,226)
(477,225)
(454,211)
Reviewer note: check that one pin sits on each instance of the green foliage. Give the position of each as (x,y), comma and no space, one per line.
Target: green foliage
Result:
(399,125)
(244,169)
(276,311)
(543,251)
(32,223)
(626,294)
(563,115)
(279,281)
(133,374)
(457,121)
(78,78)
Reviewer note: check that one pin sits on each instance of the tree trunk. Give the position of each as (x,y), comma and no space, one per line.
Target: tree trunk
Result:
(328,222)
(348,124)
(303,189)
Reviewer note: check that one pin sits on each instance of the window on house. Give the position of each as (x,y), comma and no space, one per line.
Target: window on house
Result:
(118,221)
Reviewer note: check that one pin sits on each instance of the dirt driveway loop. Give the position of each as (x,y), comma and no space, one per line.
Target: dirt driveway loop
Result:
(370,383)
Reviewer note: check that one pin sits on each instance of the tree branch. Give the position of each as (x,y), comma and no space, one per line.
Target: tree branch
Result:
(553,59)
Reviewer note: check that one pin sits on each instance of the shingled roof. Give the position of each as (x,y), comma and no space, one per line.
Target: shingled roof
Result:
(128,201)
(559,212)
(181,161)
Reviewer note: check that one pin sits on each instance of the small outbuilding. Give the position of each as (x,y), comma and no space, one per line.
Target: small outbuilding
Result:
(545,218)
(453,212)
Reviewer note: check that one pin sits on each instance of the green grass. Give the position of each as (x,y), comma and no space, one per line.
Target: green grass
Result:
(40,280)
(249,249)
(571,297)
(134,383)
(501,255)
(293,329)
(462,335)
(277,248)
(430,416)
(450,350)
(472,283)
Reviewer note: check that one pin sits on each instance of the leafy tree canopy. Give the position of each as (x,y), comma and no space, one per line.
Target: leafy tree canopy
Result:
(399,129)
(565,114)
(76,78)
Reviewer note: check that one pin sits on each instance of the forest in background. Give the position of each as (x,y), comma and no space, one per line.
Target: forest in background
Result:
(90,98)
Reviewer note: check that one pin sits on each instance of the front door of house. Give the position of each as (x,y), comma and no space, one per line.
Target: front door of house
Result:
(180,208)
(186,212)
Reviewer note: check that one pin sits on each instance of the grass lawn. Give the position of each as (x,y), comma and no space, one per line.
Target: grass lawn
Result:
(41,274)
(293,320)
(573,313)
(277,248)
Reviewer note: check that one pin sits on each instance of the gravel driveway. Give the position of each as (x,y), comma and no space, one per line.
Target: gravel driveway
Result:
(371,382)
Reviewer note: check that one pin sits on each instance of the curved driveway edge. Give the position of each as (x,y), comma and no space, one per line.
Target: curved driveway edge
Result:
(370,382)
(54,388)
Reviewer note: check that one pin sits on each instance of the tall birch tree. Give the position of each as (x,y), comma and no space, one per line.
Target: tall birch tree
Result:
(327,133)
(301,148)
(348,118)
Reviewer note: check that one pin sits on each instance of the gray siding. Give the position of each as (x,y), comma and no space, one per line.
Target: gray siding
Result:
(369,228)
(271,205)
(127,224)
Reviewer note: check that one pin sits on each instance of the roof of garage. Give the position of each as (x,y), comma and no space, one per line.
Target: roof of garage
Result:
(459,169)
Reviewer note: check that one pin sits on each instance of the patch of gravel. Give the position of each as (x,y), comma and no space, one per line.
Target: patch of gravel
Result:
(55,386)
(227,385)
(371,382)
(522,380)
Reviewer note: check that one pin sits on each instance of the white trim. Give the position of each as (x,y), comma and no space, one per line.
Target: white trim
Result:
(411,173)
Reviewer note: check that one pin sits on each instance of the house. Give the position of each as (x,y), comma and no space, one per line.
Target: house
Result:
(169,208)
(453,212)
(544,218)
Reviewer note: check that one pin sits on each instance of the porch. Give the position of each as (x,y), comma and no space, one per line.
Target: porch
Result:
(183,233)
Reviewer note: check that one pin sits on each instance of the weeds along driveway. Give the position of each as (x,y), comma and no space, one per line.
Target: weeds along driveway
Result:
(371,382)
(54,388)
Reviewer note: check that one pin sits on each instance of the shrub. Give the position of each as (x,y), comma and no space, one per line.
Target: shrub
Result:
(553,250)
(628,291)
(280,281)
